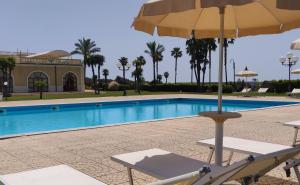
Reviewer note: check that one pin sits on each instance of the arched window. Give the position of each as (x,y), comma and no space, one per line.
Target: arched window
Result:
(34,78)
(70,82)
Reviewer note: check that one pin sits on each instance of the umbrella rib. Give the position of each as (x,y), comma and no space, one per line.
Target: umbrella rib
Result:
(271,13)
(236,23)
(198,18)
(162,20)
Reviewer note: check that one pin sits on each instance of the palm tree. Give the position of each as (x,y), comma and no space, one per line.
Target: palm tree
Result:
(227,42)
(138,73)
(138,63)
(159,78)
(212,46)
(85,47)
(192,62)
(123,66)
(166,75)
(105,73)
(155,52)
(176,53)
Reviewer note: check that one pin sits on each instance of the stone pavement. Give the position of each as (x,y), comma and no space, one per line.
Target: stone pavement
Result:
(89,151)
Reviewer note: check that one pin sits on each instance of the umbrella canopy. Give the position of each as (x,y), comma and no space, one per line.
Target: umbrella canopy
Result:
(242,18)
(215,18)
(295,45)
(246,73)
(296,71)
(55,54)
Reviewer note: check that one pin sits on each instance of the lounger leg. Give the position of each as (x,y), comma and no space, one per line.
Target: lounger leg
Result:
(229,158)
(295,136)
(130,176)
(297,173)
(211,153)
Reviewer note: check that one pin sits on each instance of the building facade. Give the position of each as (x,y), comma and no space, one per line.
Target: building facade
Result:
(59,74)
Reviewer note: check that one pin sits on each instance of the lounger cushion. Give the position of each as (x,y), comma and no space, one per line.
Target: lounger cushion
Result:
(160,164)
(57,175)
(295,124)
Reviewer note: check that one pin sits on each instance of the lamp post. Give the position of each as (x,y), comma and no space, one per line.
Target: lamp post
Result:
(5,93)
(124,66)
(233,65)
(289,61)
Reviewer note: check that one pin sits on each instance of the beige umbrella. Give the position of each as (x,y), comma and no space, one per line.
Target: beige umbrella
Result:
(246,74)
(296,71)
(215,18)
(295,45)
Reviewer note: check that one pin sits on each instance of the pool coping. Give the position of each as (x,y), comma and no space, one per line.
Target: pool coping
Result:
(294,103)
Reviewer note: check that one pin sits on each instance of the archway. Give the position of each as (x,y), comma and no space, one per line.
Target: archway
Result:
(35,77)
(70,82)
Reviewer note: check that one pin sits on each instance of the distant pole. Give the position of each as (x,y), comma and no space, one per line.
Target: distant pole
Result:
(233,65)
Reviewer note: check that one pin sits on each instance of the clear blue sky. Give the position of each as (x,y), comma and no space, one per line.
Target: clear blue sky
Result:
(42,25)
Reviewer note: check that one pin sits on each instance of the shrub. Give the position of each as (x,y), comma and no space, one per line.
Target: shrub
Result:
(113,86)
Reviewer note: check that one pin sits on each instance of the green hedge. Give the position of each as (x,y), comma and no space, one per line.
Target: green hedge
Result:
(280,86)
(186,88)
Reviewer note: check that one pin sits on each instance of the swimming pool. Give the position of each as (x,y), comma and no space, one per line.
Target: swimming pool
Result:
(49,118)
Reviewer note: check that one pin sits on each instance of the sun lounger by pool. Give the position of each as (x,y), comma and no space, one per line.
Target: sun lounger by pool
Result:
(166,165)
(242,146)
(262,90)
(295,92)
(248,170)
(246,90)
(246,147)
(296,126)
(56,175)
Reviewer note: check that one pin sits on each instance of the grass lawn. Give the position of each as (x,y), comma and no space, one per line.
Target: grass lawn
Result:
(112,93)
(48,96)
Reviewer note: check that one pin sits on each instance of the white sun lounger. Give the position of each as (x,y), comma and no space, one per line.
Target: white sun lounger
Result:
(166,165)
(295,91)
(246,90)
(262,90)
(242,146)
(56,175)
(296,126)
(158,163)
(246,147)
(248,170)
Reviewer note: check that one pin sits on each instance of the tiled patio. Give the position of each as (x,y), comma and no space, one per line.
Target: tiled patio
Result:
(89,151)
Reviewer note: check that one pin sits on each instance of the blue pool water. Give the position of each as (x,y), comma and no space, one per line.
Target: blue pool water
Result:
(34,119)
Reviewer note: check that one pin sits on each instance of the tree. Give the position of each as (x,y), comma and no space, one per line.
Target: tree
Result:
(159,78)
(197,49)
(40,84)
(123,66)
(176,53)
(138,63)
(96,60)
(212,46)
(155,51)
(227,42)
(105,73)
(192,63)
(7,64)
(85,47)
(166,75)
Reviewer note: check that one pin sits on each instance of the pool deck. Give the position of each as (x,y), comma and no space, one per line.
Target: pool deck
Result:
(89,150)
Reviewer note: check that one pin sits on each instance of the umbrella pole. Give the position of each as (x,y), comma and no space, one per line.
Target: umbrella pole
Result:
(220,126)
